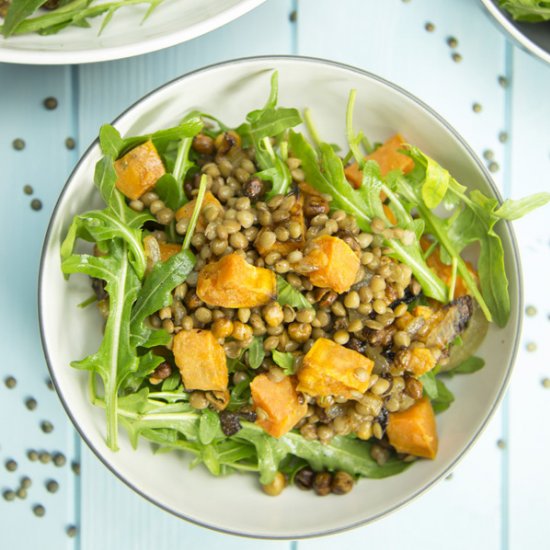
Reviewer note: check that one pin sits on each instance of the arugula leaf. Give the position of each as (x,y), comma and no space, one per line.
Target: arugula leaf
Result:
(75,12)
(116,358)
(531,11)
(256,353)
(18,11)
(429,383)
(147,364)
(287,295)
(285,361)
(444,397)
(156,292)
(209,427)
(473,364)
(260,127)
(170,191)
(515,209)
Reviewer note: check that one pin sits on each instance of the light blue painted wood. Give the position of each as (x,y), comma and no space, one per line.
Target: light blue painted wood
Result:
(484,504)
(44,164)
(529,431)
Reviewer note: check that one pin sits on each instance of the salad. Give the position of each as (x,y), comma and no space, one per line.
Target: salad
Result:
(276,305)
(530,11)
(51,16)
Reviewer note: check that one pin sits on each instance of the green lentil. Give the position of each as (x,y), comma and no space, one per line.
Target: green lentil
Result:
(11,465)
(52,486)
(10,382)
(71,531)
(70,143)
(39,510)
(59,459)
(9,495)
(36,204)
(75,467)
(32,455)
(28,190)
(18,144)
(50,103)
(46,426)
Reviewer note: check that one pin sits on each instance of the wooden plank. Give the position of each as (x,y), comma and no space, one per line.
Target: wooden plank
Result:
(529,432)
(44,164)
(113,515)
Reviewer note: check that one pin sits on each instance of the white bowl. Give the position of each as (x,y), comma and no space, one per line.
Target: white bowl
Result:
(236,504)
(173,22)
(532,37)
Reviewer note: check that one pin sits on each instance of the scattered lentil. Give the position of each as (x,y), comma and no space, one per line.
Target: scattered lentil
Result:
(531,346)
(501,444)
(476,108)
(52,486)
(44,457)
(456,57)
(503,137)
(39,510)
(46,426)
(70,143)
(71,531)
(21,493)
(452,42)
(75,467)
(59,459)
(28,190)
(503,81)
(50,103)
(494,167)
(32,455)
(488,154)
(430,27)
(30,403)
(10,382)
(531,311)
(36,204)
(18,144)
(9,495)
(546,383)
(11,465)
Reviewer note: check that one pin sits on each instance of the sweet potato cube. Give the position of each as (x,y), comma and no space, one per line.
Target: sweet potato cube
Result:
(138,170)
(232,282)
(201,360)
(279,401)
(337,264)
(331,369)
(167,250)
(388,158)
(414,431)
(186,211)
(421,361)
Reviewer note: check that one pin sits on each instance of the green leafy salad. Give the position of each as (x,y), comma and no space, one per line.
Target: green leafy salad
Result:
(273,304)
(530,11)
(51,16)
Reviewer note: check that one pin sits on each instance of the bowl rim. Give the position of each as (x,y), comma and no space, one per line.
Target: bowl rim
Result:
(509,366)
(37,56)
(519,38)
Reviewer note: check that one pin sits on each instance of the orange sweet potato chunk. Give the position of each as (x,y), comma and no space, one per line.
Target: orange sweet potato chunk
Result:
(414,431)
(232,282)
(388,158)
(138,170)
(421,360)
(279,401)
(201,360)
(331,369)
(186,211)
(337,264)
(167,250)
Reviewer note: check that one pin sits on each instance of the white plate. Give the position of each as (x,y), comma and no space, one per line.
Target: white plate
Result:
(236,504)
(532,37)
(173,22)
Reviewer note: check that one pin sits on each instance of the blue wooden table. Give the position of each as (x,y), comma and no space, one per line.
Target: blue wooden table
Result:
(448,53)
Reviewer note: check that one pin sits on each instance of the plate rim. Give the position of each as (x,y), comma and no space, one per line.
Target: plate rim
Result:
(520,39)
(509,367)
(125,51)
